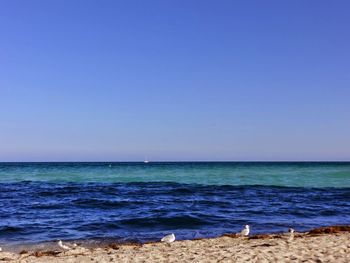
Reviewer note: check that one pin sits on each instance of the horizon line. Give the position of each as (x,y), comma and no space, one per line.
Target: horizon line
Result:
(189,161)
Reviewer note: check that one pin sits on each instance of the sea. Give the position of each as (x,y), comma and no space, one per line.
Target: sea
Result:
(142,202)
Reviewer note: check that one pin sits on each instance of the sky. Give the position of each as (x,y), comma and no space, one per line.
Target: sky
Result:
(174,80)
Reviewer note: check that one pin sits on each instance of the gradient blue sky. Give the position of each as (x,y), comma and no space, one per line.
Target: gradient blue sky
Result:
(174,80)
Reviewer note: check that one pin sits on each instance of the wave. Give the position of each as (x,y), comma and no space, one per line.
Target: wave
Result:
(139,210)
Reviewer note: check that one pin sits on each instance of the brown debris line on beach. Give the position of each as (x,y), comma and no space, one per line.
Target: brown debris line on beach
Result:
(326,244)
(329,230)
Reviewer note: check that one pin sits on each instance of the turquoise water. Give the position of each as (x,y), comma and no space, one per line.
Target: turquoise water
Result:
(274,174)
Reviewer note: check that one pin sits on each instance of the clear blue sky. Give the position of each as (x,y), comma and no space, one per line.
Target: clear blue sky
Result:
(174,80)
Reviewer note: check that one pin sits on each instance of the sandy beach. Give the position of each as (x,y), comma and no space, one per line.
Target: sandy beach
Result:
(330,244)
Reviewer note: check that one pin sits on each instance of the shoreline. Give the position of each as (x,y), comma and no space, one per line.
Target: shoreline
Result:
(325,244)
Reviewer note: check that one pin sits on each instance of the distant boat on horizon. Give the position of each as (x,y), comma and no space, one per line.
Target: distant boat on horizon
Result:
(146,160)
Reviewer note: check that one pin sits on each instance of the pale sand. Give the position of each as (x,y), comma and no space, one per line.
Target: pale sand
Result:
(333,247)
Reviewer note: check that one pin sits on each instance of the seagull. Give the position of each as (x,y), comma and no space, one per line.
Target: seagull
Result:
(291,235)
(168,238)
(245,231)
(61,245)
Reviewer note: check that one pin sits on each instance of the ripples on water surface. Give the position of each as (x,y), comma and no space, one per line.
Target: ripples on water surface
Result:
(138,202)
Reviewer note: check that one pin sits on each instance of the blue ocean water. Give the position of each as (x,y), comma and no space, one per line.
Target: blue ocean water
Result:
(42,202)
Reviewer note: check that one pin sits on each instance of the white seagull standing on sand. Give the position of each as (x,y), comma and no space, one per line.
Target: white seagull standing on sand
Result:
(65,247)
(245,231)
(168,238)
(291,235)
